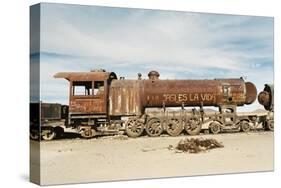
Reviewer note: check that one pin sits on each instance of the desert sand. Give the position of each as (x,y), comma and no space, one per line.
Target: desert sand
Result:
(121,158)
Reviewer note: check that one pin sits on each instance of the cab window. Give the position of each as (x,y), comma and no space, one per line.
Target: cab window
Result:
(98,88)
(82,88)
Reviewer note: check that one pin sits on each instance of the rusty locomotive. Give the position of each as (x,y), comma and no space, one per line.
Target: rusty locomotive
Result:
(102,104)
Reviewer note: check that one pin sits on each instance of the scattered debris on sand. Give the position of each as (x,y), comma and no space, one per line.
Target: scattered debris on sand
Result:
(193,145)
(153,149)
(120,137)
(196,145)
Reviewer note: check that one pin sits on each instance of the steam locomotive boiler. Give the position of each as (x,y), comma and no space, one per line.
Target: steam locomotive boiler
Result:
(99,104)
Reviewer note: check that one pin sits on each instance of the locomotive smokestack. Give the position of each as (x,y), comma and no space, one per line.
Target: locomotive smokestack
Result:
(139,76)
(153,75)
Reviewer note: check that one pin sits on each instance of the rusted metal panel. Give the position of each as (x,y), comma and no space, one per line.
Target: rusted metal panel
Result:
(125,97)
(86,76)
(86,105)
(251,93)
(173,93)
(230,92)
(128,97)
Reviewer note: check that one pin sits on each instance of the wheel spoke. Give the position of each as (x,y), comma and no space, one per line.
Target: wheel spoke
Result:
(215,127)
(245,126)
(154,127)
(49,135)
(134,127)
(174,127)
(193,126)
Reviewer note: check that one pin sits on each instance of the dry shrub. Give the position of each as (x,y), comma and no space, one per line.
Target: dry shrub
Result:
(196,145)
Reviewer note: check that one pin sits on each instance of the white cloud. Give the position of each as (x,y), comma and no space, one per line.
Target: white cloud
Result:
(178,38)
(171,42)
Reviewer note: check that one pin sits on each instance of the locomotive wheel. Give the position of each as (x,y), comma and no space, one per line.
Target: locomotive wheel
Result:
(269,125)
(245,126)
(88,133)
(215,127)
(134,127)
(174,127)
(48,135)
(193,126)
(153,127)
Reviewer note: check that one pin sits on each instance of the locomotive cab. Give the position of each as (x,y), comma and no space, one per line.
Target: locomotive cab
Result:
(88,97)
(88,93)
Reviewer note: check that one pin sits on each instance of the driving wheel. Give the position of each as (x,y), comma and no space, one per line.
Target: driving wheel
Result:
(134,127)
(48,134)
(215,127)
(174,127)
(245,126)
(154,127)
(193,126)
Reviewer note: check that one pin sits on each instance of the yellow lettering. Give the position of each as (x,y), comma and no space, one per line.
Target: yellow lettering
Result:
(194,98)
(182,97)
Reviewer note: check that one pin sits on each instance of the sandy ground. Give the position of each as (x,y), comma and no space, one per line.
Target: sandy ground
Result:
(112,158)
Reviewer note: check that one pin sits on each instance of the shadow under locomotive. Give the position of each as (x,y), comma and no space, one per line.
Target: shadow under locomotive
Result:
(101,104)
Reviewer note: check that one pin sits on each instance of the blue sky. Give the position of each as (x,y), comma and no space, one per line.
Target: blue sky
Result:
(180,45)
